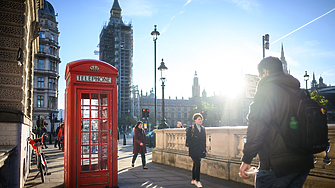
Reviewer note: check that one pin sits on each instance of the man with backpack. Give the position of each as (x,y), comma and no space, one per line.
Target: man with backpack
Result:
(279,165)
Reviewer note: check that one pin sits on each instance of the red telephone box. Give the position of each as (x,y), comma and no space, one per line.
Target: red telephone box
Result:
(90,155)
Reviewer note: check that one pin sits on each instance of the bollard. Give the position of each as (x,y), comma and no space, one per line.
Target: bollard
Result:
(150,144)
(50,141)
(154,141)
(124,139)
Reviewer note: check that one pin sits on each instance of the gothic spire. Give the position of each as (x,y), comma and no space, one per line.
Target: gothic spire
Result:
(116,10)
(116,5)
(283,60)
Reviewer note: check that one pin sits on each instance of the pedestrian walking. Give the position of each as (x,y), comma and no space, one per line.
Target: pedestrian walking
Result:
(57,141)
(44,130)
(60,136)
(139,145)
(196,143)
(279,166)
(179,125)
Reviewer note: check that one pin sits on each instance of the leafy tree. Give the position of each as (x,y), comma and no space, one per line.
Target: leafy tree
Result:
(321,100)
(209,108)
(126,122)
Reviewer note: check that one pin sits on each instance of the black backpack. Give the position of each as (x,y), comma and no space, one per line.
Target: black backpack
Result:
(306,129)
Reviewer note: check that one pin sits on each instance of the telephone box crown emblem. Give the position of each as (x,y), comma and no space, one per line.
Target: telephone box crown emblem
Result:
(94,68)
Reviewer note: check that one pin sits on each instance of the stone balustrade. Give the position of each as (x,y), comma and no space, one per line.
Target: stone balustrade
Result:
(224,151)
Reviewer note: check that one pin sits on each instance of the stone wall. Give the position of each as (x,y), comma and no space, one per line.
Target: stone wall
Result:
(224,146)
(19,30)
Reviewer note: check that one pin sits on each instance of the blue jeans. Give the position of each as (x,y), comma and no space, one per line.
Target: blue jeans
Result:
(268,179)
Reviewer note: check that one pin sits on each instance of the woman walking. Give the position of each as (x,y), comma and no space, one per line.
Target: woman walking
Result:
(60,136)
(139,145)
(196,141)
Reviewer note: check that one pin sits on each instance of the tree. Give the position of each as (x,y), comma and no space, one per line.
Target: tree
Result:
(321,100)
(209,108)
(125,122)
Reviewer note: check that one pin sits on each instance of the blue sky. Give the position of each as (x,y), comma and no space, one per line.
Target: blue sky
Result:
(220,39)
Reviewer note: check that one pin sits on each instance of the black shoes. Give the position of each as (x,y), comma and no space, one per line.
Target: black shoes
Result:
(132,165)
(145,168)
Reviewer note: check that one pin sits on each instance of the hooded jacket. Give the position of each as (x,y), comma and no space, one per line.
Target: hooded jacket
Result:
(270,108)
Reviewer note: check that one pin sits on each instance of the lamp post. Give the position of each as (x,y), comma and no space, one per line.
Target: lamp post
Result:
(155,35)
(163,70)
(306,78)
(266,44)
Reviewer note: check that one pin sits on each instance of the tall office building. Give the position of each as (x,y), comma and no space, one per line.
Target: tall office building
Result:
(116,48)
(46,68)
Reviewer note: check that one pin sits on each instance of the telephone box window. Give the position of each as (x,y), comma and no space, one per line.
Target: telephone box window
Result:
(94,131)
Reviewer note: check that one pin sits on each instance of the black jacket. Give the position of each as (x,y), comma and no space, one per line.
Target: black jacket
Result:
(196,141)
(270,107)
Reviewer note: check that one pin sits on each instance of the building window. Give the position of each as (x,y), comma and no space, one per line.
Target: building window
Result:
(179,115)
(52,37)
(42,34)
(172,115)
(51,49)
(40,83)
(51,102)
(51,84)
(52,66)
(39,101)
(185,115)
(41,48)
(40,64)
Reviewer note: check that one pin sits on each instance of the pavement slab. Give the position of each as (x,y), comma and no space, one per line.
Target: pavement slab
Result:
(157,176)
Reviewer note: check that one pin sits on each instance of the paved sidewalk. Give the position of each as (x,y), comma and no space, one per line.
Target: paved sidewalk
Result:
(161,176)
(55,159)
(157,176)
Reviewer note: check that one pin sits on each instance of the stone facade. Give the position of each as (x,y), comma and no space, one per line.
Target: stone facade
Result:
(224,147)
(46,69)
(19,30)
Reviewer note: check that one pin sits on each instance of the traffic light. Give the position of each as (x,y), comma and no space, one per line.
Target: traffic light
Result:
(50,116)
(204,114)
(143,113)
(147,113)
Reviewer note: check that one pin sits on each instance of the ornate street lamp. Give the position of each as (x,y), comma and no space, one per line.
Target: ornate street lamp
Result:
(163,70)
(155,35)
(306,78)
(266,44)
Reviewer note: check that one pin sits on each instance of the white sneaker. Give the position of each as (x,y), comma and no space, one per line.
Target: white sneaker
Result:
(198,184)
(193,182)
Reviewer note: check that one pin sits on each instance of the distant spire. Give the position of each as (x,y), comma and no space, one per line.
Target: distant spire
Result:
(116,5)
(116,10)
(195,87)
(313,76)
(283,60)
